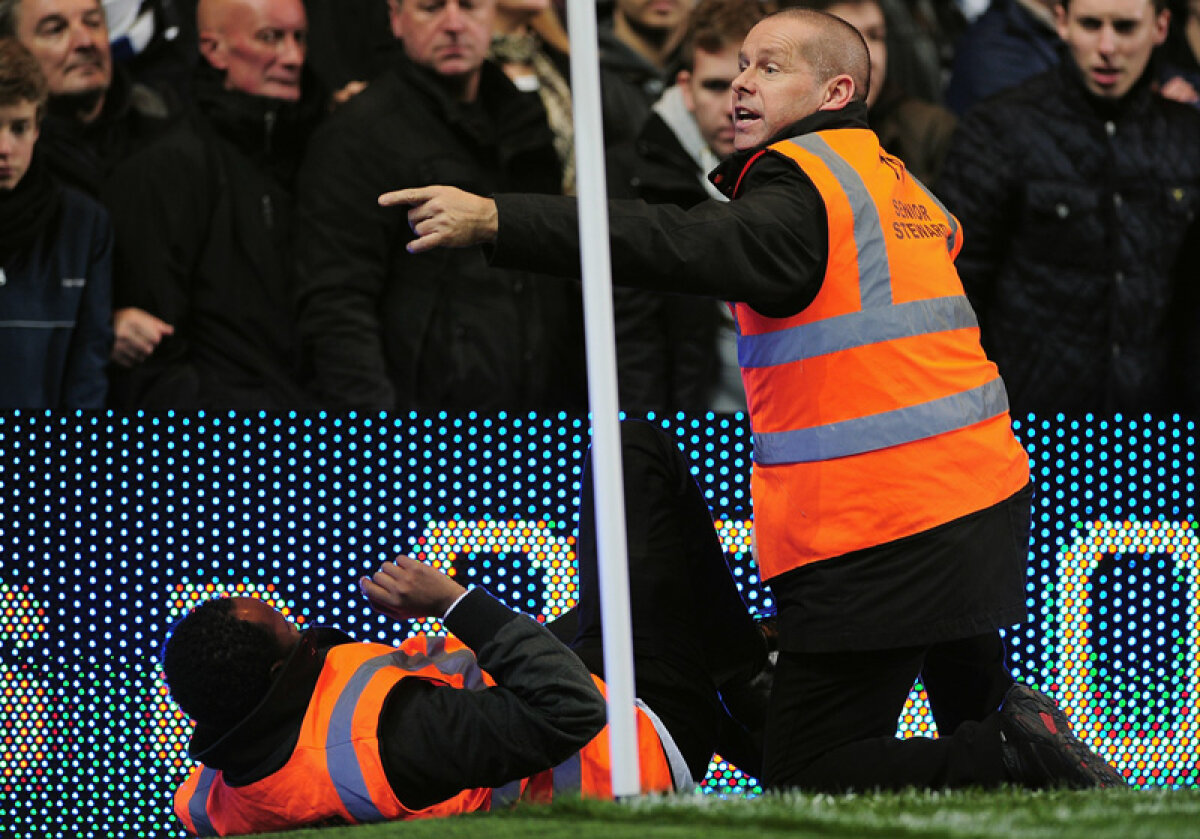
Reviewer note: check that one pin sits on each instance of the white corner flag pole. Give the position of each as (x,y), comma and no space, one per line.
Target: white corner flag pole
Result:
(602,395)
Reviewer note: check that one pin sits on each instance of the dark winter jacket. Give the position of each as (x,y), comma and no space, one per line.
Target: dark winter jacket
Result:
(1006,45)
(916,131)
(55,286)
(667,354)
(387,329)
(1076,214)
(630,85)
(84,155)
(204,241)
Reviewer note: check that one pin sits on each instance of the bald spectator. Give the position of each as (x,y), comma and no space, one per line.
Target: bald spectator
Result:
(204,222)
(96,116)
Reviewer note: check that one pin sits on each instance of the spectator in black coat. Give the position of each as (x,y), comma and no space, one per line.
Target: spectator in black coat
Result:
(1078,193)
(384,330)
(55,262)
(204,222)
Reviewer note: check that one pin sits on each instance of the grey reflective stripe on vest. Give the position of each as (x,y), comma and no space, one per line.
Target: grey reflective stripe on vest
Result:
(567,780)
(344,768)
(856,329)
(198,803)
(681,776)
(879,320)
(874,275)
(880,431)
(506,795)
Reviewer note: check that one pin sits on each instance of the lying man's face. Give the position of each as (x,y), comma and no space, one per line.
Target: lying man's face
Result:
(253,610)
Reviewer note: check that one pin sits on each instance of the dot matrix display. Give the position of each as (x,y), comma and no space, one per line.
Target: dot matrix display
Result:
(114,526)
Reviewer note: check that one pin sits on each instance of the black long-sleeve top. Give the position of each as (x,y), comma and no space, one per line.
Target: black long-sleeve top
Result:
(749,251)
(436,740)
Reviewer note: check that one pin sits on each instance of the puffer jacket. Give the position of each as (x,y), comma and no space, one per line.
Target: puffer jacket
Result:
(1078,214)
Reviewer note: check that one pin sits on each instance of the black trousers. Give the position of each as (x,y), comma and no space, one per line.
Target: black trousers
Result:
(692,632)
(832,720)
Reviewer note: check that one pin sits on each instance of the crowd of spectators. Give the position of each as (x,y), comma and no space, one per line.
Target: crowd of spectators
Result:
(188,213)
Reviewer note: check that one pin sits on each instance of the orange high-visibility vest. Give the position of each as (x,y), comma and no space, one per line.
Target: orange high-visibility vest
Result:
(335,775)
(875,412)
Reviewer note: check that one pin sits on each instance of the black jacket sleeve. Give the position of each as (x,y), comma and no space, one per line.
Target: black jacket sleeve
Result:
(768,248)
(437,740)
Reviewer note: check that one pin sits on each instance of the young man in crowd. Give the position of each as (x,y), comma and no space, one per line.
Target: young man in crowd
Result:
(1079,192)
(678,353)
(55,262)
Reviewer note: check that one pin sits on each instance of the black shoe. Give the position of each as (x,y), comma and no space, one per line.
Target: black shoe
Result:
(1040,750)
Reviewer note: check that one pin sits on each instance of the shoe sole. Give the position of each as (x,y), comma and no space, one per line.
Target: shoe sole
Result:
(1093,770)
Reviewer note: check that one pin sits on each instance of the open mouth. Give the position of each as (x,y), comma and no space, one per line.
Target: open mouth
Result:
(1105,76)
(743,117)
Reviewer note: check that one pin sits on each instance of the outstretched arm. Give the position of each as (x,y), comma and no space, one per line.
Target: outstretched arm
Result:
(768,249)
(445,217)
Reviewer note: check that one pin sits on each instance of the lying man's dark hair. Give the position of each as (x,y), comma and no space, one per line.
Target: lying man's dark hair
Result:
(218,667)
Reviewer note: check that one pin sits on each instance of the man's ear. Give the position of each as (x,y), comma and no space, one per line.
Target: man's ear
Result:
(839,92)
(210,48)
(1162,24)
(683,80)
(394,18)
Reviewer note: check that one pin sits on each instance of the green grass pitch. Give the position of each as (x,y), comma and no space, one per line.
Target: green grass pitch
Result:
(1011,814)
